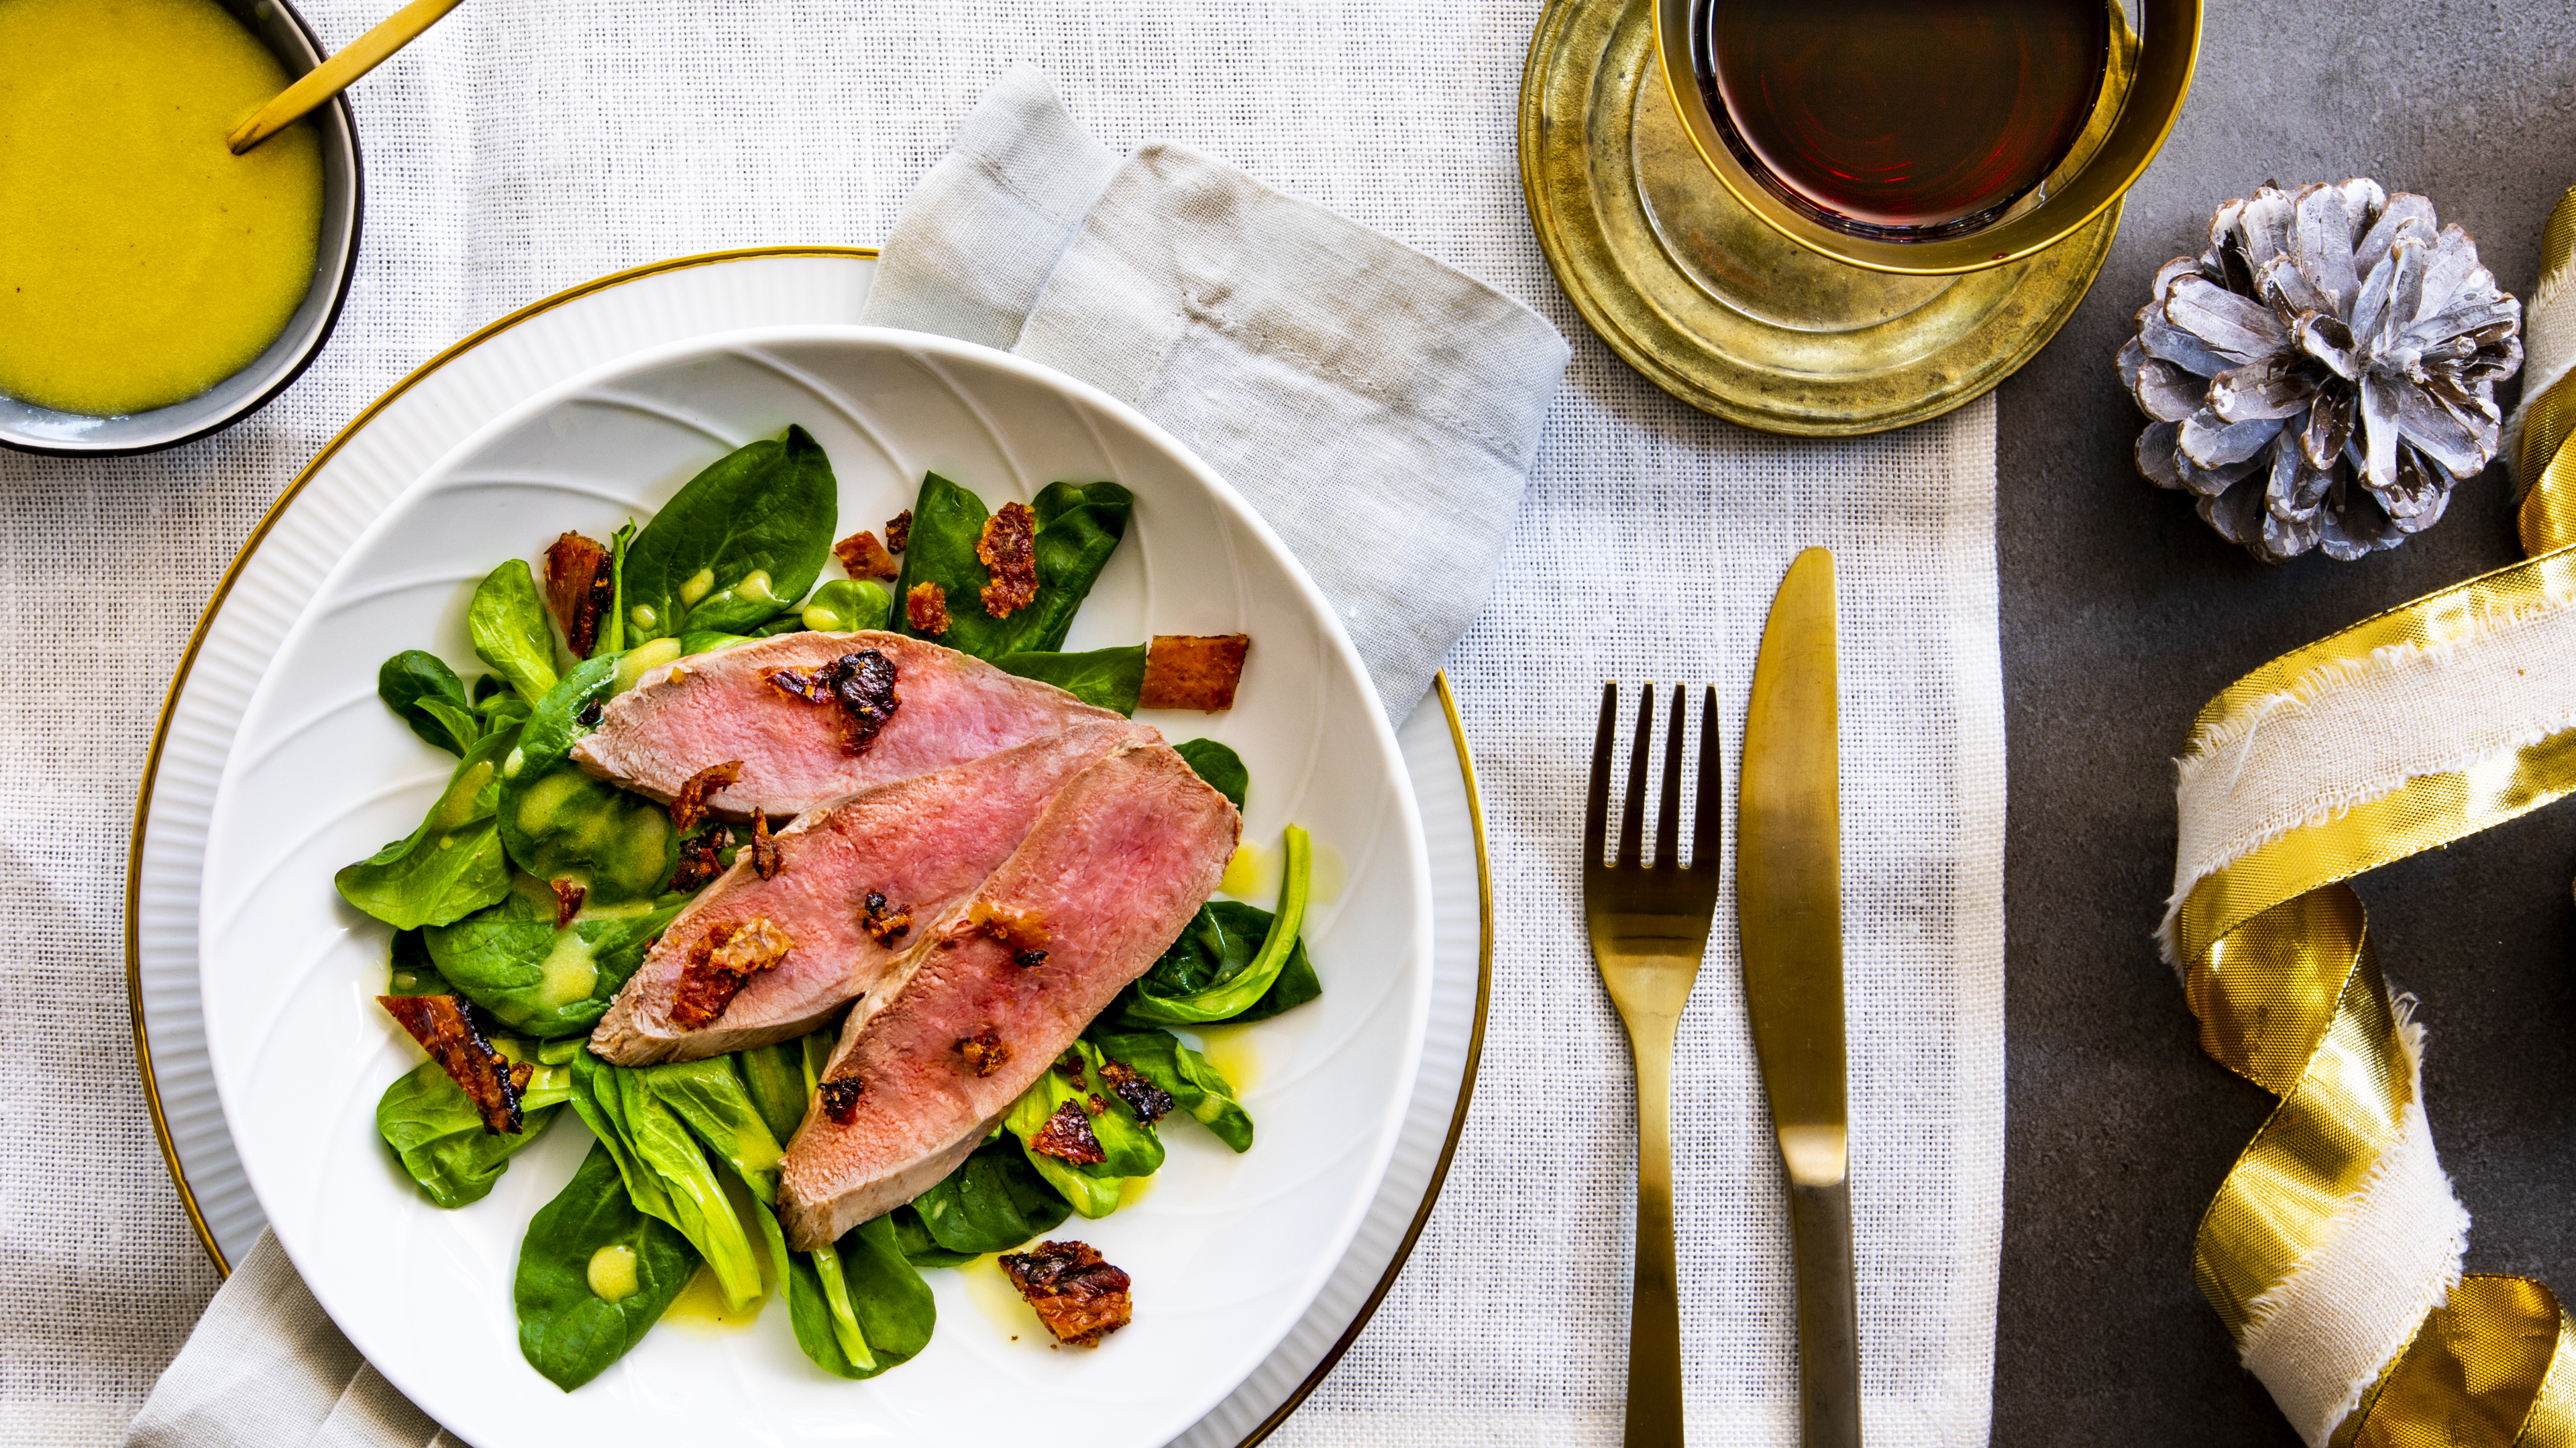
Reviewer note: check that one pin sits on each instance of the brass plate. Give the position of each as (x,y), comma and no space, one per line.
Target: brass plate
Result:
(1718,309)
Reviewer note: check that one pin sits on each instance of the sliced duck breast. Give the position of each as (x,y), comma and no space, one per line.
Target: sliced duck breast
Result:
(860,885)
(810,718)
(1108,876)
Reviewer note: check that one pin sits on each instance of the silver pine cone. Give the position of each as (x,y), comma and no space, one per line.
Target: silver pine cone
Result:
(2325,372)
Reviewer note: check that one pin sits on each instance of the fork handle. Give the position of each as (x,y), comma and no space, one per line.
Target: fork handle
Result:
(1655,1310)
(1820,1230)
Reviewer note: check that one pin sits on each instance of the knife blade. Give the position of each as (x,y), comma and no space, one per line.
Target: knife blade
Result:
(1788,908)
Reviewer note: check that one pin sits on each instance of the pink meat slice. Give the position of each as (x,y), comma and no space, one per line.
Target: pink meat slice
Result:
(719,707)
(923,843)
(1108,877)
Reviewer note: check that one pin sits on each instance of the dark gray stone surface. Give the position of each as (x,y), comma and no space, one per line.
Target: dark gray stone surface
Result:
(2122,615)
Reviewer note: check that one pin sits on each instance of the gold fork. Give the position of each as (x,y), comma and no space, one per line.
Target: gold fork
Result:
(1649,927)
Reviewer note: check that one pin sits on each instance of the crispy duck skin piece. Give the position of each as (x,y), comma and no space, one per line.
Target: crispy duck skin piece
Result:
(925,607)
(568,897)
(446,1030)
(1150,1102)
(1188,671)
(699,861)
(862,684)
(1115,866)
(899,531)
(719,963)
(865,557)
(579,588)
(955,709)
(1008,549)
(1079,1297)
(926,842)
(691,805)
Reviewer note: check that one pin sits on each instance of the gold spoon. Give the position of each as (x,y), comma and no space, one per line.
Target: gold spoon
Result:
(339,72)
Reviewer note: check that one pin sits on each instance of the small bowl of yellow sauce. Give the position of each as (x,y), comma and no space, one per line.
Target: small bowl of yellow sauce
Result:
(154,287)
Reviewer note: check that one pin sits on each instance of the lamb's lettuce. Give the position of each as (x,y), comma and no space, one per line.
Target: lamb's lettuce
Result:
(508,623)
(666,1172)
(558,823)
(438,1136)
(453,864)
(1128,1145)
(1194,1085)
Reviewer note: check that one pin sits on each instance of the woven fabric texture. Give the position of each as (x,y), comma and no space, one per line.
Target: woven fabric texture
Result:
(522,147)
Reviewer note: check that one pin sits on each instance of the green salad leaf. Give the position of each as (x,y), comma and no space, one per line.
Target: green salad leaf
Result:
(1220,766)
(452,865)
(846,605)
(1128,1145)
(666,1172)
(993,1202)
(1233,962)
(859,1307)
(427,696)
(1103,678)
(1078,527)
(438,1136)
(594,1275)
(709,1095)
(510,959)
(736,546)
(1195,1086)
(558,823)
(412,972)
(775,1077)
(508,623)
(919,1247)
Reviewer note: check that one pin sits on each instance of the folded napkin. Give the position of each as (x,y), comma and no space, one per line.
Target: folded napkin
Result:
(1364,397)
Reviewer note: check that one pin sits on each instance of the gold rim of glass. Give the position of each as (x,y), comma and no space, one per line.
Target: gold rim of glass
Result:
(2171,49)
(277,510)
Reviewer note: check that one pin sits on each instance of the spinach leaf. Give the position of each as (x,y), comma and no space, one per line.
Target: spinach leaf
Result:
(508,622)
(425,694)
(709,1096)
(439,1137)
(594,1275)
(1220,766)
(452,865)
(1128,1145)
(665,1171)
(511,960)
(1195,1086)
(1217,971)
(879,1294)
(846,605)
(775,1077)
(1104,678)
(413,972)
(741,542)
(919,1247)
(993,1202)
(1078,527)
(556,822)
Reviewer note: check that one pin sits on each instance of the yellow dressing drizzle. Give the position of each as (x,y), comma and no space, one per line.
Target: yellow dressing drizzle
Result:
(141,262)
(612,1273)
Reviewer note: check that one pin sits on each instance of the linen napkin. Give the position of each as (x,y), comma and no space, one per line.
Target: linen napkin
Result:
(1366,398)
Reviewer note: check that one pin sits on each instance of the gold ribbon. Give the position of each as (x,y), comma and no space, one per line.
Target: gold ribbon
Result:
(2278,967)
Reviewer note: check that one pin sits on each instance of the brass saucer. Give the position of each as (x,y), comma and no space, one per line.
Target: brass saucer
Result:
(1716,308)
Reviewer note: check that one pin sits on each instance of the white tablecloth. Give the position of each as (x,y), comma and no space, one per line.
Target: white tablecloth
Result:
(526,145)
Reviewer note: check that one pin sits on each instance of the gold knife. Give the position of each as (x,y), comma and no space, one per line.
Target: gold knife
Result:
(1789,916)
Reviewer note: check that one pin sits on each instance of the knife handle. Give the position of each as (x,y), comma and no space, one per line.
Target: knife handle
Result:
(1820,1233)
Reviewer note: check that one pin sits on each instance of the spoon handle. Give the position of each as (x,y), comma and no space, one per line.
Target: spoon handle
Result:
(339,72)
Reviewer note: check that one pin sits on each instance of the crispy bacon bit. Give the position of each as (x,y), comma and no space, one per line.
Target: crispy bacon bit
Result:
(1184,671)
(926,608)
(884,926)
(899,530)
(841,1098)
(698,858)
(579,588)
(865,557)
(861,683)
(1020,930)
(569,893)
(1079,1297)
(1067,1136)
(718,964)
(985,1052)
(1009,551)
(691,806)
(446,1030)
(1028,959)
(766,857)
(588,714)
(1069,1066)
(1150,1102)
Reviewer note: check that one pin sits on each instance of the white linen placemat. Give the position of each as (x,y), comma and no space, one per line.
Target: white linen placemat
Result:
(521,147)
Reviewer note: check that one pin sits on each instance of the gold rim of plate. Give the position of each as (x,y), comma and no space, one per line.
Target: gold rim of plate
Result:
(277,510)
(1696,293)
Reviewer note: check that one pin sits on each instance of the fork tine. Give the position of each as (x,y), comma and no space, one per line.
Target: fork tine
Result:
(1709,831)
(1668,825)
(1632,811)
(1596,811)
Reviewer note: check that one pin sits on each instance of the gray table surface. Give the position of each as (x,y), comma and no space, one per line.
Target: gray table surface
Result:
(2122,615)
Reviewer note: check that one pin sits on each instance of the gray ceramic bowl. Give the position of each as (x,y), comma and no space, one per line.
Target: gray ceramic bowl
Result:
(29,428)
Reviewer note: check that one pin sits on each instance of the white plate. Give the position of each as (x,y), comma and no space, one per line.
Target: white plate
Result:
(1227,1251)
